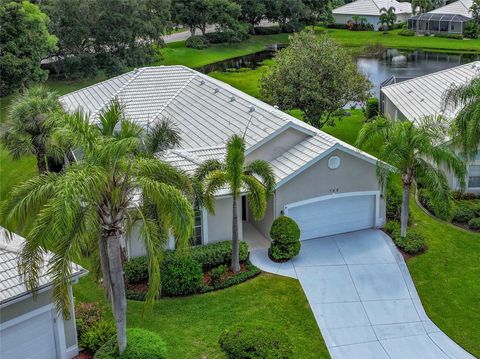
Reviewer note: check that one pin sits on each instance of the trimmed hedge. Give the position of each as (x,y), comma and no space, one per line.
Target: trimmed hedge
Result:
(221,37)
(255,342)
(141,344)
(251,271)
(392,227)
(413,243)
(285,235)
(215,254)
(474,223)
(97,335)
(464,212)
(136,270)
(181,275)
(197,42)
(266,30)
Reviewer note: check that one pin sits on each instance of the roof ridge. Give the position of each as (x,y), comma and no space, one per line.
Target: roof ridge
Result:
(190,157)
(136,72)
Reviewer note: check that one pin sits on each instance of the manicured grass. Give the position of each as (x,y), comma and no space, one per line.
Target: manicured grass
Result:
(447,278)
(393,40)
(14,172)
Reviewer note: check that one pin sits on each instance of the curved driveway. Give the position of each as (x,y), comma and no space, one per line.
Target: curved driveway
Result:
(364,299)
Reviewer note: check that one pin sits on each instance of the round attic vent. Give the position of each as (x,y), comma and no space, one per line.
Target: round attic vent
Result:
(334,162)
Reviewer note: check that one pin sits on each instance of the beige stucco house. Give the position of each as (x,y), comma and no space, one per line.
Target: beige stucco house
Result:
(30,326)
(423,96)
(326,185)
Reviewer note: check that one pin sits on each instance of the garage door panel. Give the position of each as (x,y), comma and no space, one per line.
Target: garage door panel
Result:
(33,338)
(333,216)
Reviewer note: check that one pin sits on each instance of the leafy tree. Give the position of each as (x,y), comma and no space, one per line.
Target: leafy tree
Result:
(418,154)
(190,13)
(24,41)
(421,5)
(27,130)
(315,75)
(286,12)
(92,205)
(387,18)
(252,12)
(318,11)
(466,125)
(256,178)
(475,10)
(224,14)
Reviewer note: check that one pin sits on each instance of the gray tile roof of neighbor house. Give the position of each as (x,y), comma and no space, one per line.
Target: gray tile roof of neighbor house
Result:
(12,285)
(372,7)
(424,96)
(207,113)
(460,7)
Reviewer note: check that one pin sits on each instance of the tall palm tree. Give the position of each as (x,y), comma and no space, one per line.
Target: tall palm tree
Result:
(387,18)
(256,178)
(466,125)
(93,204)
(27,129)
(417,153)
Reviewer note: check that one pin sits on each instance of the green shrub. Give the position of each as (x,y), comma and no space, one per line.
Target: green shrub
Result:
(266,30)
(393,196)
(285,236)
(413,243)
(474,223)
(135,295)
(464,212)
(392,227)
(197,42)
(86,315)
(371,108)
(255,342)
(181,275)
(97,335)
(406,32)
(250,272)
(216,274)
(425,200)
(228,36)
(215,254)
(472,30)
(450,36)
(136,270)
(141,344)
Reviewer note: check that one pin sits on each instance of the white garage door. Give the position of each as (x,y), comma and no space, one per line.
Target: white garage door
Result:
(333,216)
(30,339)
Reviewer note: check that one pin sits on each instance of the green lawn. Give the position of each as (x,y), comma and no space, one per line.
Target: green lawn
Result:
(393,40)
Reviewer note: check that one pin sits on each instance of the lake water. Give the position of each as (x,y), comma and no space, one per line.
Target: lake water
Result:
(399,63)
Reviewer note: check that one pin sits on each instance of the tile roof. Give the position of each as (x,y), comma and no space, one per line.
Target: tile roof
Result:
(372,7)
(423,96)
(11,283)
(206,111)
(460,7)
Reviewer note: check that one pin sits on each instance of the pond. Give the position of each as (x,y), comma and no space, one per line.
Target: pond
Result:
(399,63)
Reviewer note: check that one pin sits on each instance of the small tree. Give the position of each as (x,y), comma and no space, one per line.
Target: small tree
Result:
(256,178)
(387,18)
(27,130)
(315,75)
(417,154)
(25,41)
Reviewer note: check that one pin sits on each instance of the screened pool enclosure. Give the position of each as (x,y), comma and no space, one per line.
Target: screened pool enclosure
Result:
(438,23)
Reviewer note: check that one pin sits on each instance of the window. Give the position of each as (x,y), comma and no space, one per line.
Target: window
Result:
(474,176)
(196,239)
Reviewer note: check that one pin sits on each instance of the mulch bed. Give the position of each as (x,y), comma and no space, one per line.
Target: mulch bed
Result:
(83,355)
(228,274)
(466,227)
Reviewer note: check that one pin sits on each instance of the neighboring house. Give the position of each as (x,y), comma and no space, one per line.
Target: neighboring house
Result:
(370,10)
(448,19)
(423,96)
(30,325)
(326,185)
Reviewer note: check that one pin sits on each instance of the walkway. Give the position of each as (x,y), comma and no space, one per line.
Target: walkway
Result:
(364,299)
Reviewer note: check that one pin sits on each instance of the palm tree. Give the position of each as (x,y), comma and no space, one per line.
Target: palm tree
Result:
(93,204)
(466,125)
(387,18)
(422,5)
(417,153)
(256,178)
(27,129)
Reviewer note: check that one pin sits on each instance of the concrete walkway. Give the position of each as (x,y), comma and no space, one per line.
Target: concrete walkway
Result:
(363,298)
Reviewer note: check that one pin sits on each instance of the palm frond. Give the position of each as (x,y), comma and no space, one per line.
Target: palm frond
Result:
(110,117)
(263,170)
(257,196)
(162,136)
(208,166)
(215,181)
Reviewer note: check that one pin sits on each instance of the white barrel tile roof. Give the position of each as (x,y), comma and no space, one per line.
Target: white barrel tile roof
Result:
(372,7)
(460,7)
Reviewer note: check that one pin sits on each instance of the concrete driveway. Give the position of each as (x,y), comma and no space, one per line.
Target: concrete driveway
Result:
(363,298)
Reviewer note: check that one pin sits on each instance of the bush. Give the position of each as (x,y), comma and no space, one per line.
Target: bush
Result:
(406,32)
(197,42)
(472,30)
(250,343)
(413,243)
(392,228)
(215,254)
(464,212)
(97,335)
(86,315)
(371,108)
(292,26)
(136,270)
(400,25)
(285,236)
(266,30)
(425,200)
(220,37)
(181,275)
(393,202)
(450,36)
(141,344)
(474,223)
(240,277)
(216,274)
(337,26)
